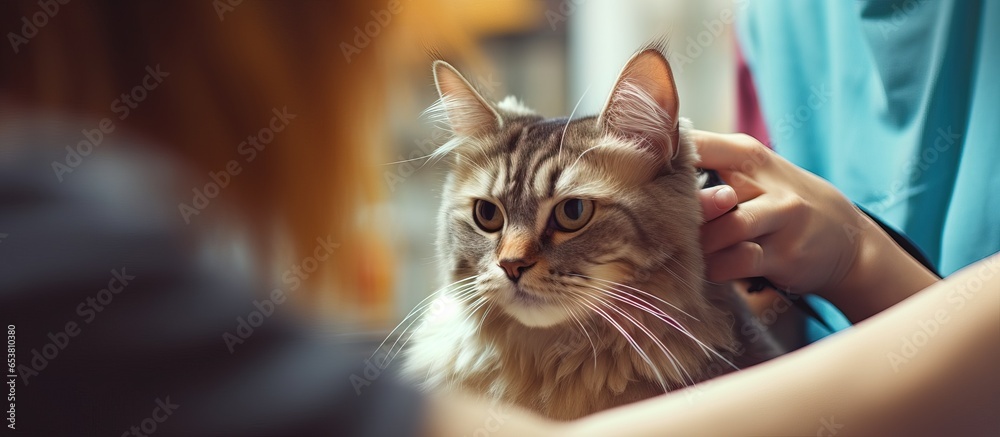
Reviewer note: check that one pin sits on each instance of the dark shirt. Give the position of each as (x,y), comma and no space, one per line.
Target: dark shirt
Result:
(118,320)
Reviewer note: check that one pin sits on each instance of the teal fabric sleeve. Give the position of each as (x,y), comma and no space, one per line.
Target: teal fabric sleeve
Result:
(897,103)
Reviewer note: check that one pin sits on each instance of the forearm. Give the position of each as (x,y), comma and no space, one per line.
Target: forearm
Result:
(459,414)
(863,381)
(882,274)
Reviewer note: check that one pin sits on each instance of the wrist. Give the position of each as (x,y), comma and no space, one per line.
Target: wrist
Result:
(866,248)
(879,275)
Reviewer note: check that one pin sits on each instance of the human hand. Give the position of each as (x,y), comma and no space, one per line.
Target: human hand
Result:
(790,226)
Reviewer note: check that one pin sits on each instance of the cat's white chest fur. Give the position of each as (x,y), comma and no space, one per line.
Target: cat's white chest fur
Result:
(446,345)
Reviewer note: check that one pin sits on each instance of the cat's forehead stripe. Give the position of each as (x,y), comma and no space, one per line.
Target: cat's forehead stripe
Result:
(500,172)
(528,164)
(536,144)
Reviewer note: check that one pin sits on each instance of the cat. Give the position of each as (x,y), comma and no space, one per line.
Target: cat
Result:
(571,246)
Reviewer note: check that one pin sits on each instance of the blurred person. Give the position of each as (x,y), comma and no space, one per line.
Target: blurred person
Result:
(162,164)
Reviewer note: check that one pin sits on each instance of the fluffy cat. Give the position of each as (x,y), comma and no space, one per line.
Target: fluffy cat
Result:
(571,247)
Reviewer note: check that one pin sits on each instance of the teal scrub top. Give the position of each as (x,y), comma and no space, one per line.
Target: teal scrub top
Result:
(897,103)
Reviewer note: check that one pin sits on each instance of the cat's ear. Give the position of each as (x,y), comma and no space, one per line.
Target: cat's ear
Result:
(467,112)
(643,104)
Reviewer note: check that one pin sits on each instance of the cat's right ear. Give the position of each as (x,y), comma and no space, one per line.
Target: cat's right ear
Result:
(643,105)
(466,110)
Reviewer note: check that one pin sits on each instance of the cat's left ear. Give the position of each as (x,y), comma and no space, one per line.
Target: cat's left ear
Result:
(643,104)
(467,111)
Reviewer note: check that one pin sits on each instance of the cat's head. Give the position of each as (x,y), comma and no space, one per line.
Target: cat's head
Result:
(555,216)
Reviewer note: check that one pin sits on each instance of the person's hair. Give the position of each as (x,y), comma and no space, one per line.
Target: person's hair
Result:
(228,67)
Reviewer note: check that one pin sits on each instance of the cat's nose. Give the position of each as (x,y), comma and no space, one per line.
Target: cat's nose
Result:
(514,267)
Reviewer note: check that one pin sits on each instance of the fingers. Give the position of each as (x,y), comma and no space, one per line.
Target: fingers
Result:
(751,220)
(728,152)
(716,201)
(742,260)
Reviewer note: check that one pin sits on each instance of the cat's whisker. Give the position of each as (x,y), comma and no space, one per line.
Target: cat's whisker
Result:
(468,295)
(648,306)
(407,160)
(681,372)
(628,338)
(460,294)
(481,302)
(576,319)
(485,314)
(641,304)
(707,350)
(420,305)
(714,352)
(690,286)
(637,290)
(666,351)
(678,277)
(581,157)
(401,347)
(645,306)
(570,118)
(701,344)
(688,270)
(679,327)
(593,347)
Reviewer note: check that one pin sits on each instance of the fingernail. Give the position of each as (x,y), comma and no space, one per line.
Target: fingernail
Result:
(725,198)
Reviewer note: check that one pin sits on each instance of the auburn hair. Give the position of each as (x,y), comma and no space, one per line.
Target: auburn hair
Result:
(229,66)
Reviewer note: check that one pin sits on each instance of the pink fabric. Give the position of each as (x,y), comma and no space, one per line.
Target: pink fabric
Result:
(749,118)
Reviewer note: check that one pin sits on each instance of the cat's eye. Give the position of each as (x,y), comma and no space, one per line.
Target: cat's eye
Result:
(487,215)
(573,214)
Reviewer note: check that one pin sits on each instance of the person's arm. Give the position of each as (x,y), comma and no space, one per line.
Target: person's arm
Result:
(923,367)
(459,414)
(798,231)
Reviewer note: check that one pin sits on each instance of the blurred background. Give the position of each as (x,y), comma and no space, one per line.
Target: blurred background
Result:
(356,78)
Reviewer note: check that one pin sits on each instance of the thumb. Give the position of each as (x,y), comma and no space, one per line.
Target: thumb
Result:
(716,201)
